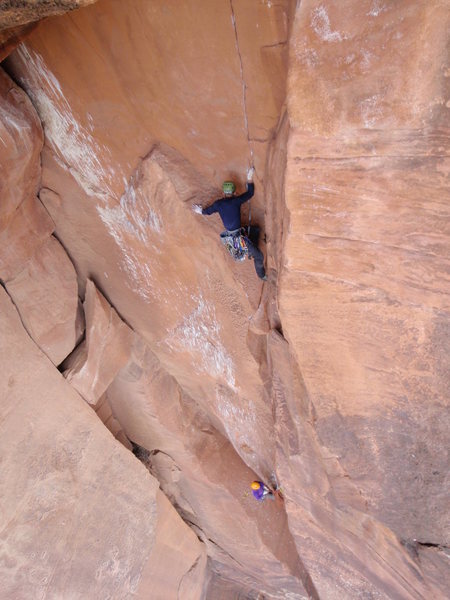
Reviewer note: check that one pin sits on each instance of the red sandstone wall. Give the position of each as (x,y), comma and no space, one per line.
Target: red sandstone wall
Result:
(335,374)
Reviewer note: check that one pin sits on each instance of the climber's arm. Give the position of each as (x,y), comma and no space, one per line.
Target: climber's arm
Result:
(211,209)
(246,195)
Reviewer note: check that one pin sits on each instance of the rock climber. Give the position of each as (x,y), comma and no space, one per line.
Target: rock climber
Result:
(229,209)
(261,491)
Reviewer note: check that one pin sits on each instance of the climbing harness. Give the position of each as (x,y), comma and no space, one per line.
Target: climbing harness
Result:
(235,242)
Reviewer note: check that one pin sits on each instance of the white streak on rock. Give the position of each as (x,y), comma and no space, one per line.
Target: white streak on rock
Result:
(199,332)
(133,224)
(73,144)
(234,409)
(320,22)
(365,62)
(376,9)
(371,110)
(307,56)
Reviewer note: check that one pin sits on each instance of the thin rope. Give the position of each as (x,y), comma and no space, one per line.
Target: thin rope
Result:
(244,104)
(244,87)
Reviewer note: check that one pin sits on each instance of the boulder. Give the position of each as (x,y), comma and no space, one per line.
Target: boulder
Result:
(95,362)
(45,293)
(80,516)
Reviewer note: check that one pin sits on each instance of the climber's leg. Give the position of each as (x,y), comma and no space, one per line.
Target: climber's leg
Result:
(255,253)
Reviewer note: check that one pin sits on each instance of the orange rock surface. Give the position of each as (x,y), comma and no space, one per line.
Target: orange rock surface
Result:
(45,293)
(33,265)
(21,229)
(202,474)
(365,276)
(333,376)
(96,361)
(28,11)
(81,518)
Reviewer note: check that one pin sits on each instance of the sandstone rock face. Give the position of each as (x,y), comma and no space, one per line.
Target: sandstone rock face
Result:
(219,70)
(177,564)
(152,244)
(80,517)
(95,363)
(25,231)
(127,238)
(22,228)
(202,474)
(36,269)
(364,287)
(327,514)
(105,414)
(22,139)
(45,293)
(12,37)
(335,375)
(20,13)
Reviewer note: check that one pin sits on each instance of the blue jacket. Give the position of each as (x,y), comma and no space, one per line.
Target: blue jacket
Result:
(229,209)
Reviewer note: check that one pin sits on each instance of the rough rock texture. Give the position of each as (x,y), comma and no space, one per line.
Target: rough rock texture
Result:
(26,11)
(95,362)
(364,286)
(105,414)
(11,38)
(22,138)
(345,551)
(218,70)
(176,567)
(335,376)
(26,230)
(45,293)
(202,474)
(37,271)
(80,517)
(435,563)
(173,282)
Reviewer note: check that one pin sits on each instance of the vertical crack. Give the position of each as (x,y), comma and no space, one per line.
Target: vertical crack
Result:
(243,84)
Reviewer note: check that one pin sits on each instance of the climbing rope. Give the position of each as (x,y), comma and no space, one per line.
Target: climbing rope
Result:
(244,102)
(249,215)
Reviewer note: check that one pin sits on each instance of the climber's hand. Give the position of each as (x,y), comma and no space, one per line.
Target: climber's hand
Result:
(250,173)
(197,208)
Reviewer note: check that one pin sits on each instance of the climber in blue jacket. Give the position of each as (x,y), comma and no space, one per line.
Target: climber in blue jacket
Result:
(229,209)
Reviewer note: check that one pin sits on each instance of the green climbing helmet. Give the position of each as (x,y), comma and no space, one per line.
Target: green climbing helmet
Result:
(228,188)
